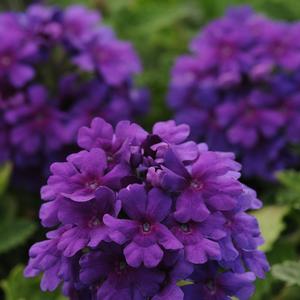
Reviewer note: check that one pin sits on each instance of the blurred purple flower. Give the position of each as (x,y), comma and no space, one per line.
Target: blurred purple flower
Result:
(58,70)
(238,89)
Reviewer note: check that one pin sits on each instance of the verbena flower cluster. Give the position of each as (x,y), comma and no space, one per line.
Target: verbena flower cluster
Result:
(239,89)
(138,215)
(58,70)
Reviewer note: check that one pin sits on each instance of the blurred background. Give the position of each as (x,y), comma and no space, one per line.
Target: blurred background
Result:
(160,31)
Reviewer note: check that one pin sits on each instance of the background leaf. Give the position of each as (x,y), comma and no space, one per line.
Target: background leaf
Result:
(289,194)
(16,287)
(5,172)
(289,271)
(271,223)
(14,233)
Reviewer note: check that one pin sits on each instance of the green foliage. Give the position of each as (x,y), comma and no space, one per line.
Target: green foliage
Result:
(16,287)
(289,271)
(5,172)
(184,282)
(63,3)
(270,219)
(290,191)
(14,231)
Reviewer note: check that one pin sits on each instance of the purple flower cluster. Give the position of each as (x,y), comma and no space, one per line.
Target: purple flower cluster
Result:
(58,70)
(239,89)
(138,215)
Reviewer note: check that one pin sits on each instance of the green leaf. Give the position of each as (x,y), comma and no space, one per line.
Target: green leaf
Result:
(271,223)
(5,172)
(290,192)
(64,3)
(14,233)
(16,287)
(289,271)
(184,282)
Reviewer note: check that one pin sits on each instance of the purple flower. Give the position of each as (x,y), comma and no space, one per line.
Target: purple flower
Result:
(60,68)
(113,59)
(138,212)
(210,183)
(174,136)
(87,219)
(42,25)
(46,258)
(36,125)
(80,25)
(118,144)
(200,239)
(221,285)
(238,90)
(144,231)
(176,268)
(118,279)
(79,180)
(15,51)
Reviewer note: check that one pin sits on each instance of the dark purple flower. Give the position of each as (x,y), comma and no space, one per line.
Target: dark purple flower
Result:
(238,90)
(118,144)
(87,220)
(60,68)
(174,136)
(36,125)
(209,183)
(113,59)
(176,269)
(46,258)
(15,51)
(42,25)
(200,239)
(146,235)
(80,25)
(78,180)
(118,280)
(140,214)
(212,285)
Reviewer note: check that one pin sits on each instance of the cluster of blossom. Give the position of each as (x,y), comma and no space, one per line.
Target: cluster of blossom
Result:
(138,215)
(239,89)
(58,70)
